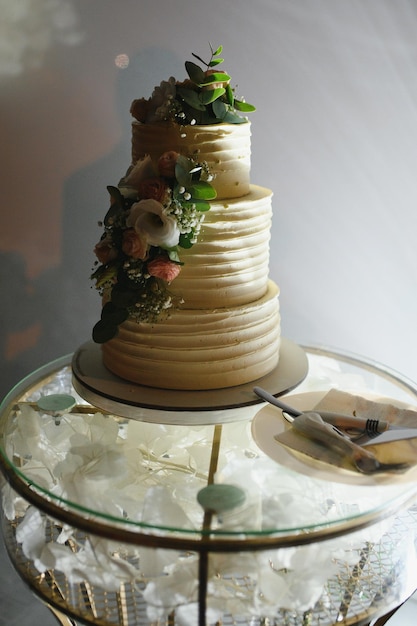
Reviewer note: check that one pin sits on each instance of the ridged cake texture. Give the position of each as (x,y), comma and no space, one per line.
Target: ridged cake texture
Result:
(200,349)
(224,147)
(226,329)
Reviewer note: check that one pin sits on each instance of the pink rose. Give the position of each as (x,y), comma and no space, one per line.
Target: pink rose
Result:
(161,267)
(105,251)
(166,163)
(134,244)
(154,188)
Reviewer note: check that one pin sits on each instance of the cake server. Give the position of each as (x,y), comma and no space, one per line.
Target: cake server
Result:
(355,427)
(311,427)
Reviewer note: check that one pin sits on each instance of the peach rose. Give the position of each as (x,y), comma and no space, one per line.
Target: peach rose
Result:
(154,188)
(163,268)
(105,251)
(166,163)
(134,244)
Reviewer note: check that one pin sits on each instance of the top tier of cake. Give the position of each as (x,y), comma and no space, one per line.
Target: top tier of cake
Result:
(225,148)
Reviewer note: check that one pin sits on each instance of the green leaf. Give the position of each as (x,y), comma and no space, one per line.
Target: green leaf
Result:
(185,240)
(233,118)
(191,97)
(104,331)
(113,314)
(218,51)
(195,72)
(230,97)
(174,256)
(209,96)
(244,106)
(219,109)
(215,62)
(182,171)
(116,206)
(216,77)
(202,191)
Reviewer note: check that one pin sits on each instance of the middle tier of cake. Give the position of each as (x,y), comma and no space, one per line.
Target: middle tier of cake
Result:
(230,263)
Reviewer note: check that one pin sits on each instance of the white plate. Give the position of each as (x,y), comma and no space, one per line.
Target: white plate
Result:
(269,422)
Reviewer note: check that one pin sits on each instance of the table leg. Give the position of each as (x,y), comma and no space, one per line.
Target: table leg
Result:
(63,620)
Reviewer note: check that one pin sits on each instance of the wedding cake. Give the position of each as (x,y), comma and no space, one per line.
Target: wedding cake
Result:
(183,260)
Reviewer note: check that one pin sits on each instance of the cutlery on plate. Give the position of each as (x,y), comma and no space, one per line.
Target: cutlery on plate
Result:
(312,426)
(353,426)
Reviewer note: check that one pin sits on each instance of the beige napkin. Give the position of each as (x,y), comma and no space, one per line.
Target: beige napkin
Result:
(342,402)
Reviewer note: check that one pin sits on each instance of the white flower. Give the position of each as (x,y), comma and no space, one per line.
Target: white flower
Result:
(149,217)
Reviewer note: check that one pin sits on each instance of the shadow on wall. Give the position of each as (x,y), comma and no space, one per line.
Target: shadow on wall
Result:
(50,316)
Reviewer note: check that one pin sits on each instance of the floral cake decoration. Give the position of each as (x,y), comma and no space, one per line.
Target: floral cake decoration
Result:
(158,206)
(205,97)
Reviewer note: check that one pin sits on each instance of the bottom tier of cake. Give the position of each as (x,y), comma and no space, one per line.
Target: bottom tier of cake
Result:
(200,349)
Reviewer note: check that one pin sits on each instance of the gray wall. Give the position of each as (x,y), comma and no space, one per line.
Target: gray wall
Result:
(334,136)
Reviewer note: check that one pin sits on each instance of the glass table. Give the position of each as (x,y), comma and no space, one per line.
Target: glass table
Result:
(112,519)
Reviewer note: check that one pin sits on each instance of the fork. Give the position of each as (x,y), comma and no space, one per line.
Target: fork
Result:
(312,426)
(355,427)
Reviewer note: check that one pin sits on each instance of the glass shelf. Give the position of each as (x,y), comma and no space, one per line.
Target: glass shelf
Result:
(91,476)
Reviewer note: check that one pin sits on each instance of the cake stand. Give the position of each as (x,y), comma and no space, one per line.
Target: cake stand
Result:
(119,521)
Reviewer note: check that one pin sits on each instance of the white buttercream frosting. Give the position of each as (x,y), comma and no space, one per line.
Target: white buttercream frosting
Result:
(224,147)
(202,348)
(229,264)
(226,329)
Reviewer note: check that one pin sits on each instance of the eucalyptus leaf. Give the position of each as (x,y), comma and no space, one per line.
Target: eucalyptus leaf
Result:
(194,71)
(230,96)
(174,256)
(182,174)
(202,206)
(202,191)
(191,97)
(233,118)
(209,96)
(185,240)
(216,77)
(104,331)
(219,109)
(215,62)
(244,106)
(111,313)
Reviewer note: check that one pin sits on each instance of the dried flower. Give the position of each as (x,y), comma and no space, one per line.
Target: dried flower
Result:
(153,188)
(105,250)
(166,163)
(135,244)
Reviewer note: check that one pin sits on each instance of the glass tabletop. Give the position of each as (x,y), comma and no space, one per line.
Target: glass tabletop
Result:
(187,486)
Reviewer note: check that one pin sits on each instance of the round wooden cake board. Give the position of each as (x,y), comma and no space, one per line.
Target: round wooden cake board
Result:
(98,386)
